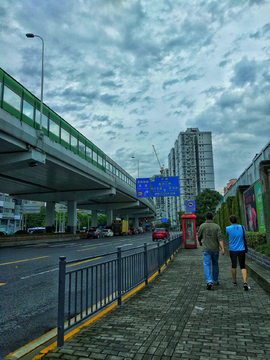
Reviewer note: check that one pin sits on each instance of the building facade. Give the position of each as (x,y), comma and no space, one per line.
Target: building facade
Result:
(10,214)
(191,159)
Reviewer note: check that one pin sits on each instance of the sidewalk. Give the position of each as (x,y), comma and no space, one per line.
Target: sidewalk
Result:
(176,317)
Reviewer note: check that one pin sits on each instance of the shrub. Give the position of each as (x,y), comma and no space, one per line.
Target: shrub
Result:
(264,249)
(255,239)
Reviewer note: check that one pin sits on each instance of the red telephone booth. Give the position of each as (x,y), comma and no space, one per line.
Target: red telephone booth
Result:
(189,231)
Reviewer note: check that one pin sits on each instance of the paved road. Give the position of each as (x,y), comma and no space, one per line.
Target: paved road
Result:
(29,284)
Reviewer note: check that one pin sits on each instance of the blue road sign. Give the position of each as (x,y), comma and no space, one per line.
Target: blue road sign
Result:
(190,205)
(163,220)
(143,187)
(164,186)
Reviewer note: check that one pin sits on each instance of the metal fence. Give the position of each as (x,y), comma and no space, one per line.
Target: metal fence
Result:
(86,290)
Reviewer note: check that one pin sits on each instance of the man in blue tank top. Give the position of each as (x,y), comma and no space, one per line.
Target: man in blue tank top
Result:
(237,249)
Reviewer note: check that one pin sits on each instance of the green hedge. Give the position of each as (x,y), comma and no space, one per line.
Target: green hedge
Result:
(255,239)
(264,249)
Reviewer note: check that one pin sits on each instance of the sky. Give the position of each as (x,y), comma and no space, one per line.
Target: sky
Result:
(132,74)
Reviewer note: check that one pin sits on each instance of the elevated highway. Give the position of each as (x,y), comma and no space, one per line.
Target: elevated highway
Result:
(53,163)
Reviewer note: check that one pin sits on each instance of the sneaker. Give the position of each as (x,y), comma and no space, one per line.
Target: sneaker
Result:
(245,286)
(234,283)
(209,286)
(217,283)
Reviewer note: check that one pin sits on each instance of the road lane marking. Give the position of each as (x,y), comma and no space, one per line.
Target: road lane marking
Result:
(88,248)
(43,272)
(81,262)
(18,261)
(2,284)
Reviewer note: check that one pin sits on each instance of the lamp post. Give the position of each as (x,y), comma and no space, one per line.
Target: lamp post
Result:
(42,76)
(133,157)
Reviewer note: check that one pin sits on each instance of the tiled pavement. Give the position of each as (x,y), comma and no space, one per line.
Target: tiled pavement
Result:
(176,317)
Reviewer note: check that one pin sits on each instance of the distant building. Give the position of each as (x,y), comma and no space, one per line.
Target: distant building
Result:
(162,203)
(191,159)
(232,181)
(10,214)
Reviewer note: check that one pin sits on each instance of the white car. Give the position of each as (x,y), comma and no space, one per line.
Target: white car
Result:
(107,232)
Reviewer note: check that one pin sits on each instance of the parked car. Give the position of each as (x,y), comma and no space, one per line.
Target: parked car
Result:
(21,232)
(160,233)
(107,232)
(134,231)
(94,232)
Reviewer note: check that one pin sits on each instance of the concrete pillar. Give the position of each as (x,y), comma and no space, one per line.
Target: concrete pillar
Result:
(126,217)
(94,218)
(109,217)
(50,215)
(72,216)
(136,222)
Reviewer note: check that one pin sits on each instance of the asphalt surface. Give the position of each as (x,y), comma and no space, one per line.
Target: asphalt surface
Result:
(176,317)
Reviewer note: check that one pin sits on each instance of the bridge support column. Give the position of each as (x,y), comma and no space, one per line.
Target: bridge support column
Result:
(109,217)
(72,216)
(94,218)
(136,222)
(126,217)
(50,215)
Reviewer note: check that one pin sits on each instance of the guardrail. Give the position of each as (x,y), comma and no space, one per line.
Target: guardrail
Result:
(86,290)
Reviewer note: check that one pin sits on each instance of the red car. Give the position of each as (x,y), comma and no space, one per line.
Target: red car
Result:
(160,233)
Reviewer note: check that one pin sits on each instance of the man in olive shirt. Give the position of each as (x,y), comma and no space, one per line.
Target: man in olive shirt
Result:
(210,238)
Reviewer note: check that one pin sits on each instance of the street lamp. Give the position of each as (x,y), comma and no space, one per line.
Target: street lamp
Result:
(133,157)
(42,76)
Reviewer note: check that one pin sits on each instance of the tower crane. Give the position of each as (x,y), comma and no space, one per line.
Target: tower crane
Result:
(161,167)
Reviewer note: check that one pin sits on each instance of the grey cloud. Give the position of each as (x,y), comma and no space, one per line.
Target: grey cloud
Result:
(101,118)
(223,63)
(169,83)
(134,99)
(256,35)
(109,73)
(118,125)
(110,133)
(109,99)
(74,94)
(230,99)
(245,71)
(134,111)
(141,122)
(142,133)
(193,77)
(186,102)
(213,90)
(266,76)
(266,28)
(110,84)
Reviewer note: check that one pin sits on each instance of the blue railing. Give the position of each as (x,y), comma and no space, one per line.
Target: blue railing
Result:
(86,290)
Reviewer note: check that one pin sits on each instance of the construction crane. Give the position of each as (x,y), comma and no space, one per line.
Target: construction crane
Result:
(161,167)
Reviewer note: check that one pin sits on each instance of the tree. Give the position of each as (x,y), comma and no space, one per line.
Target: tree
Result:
(206,201)
(36,220)
(102,219)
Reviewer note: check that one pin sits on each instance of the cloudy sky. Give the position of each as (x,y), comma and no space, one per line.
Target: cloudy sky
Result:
(132,74)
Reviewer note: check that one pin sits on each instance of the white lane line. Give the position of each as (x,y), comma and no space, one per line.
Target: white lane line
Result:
(41,273)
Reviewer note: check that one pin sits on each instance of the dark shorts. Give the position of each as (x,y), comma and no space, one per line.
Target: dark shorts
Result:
(241,255)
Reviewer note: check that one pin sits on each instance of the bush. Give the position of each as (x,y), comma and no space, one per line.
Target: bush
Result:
(255,239)
(264,249)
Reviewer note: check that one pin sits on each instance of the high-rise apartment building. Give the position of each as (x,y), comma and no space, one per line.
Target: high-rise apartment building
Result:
(191,159)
